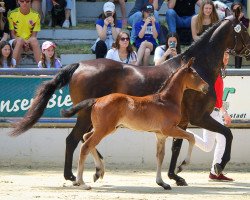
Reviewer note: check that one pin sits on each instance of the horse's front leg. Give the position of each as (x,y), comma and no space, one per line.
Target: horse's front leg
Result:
(176,147)
(161,140)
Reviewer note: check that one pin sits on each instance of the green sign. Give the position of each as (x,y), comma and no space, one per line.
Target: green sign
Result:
(16,95)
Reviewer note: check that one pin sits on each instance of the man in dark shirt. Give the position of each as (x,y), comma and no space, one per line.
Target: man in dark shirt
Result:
(179,13)
(9,5)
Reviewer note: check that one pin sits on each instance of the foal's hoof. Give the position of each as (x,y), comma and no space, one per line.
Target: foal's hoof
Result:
(86,187)
(98,174)
(179,169)
(181,182)
(165,186)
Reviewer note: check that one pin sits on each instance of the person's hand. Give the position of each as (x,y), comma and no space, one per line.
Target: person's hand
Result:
(173,51)
(227,119)
(26,46)
(152,20)
(147,21)
(168,52)
(106,21)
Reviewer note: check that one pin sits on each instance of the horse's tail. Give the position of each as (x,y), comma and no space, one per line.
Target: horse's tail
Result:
(75,109)
(43,94)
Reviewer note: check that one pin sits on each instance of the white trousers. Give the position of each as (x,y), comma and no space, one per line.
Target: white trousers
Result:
(207,142)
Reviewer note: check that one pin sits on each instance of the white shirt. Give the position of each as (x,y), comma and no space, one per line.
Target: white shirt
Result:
(159,51)
(114,55)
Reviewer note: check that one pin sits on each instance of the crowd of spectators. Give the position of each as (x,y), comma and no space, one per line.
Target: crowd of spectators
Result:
(20,21)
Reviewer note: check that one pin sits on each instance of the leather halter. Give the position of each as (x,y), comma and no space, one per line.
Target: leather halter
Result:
(245,52)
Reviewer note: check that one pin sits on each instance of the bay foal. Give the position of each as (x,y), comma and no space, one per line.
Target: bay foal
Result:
(159,113)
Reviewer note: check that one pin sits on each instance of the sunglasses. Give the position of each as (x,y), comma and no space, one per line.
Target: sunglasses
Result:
(124,39)
(22,1)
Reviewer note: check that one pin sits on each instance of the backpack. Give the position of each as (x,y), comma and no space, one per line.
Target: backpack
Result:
(163,34)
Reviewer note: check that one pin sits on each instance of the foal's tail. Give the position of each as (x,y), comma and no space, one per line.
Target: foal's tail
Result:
(43,94)
(86,104)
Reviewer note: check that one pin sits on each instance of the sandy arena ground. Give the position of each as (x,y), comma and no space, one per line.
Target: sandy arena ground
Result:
(47,184)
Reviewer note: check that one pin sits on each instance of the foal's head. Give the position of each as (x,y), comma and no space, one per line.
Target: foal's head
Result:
(192,79)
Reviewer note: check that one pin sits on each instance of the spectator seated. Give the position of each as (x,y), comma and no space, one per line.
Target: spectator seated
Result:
(185,35)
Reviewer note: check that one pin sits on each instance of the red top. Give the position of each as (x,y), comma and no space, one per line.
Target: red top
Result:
(218,86)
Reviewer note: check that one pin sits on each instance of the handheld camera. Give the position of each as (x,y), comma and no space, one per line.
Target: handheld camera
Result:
(109,14)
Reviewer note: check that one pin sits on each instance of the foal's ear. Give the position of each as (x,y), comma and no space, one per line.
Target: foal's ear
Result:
(190,62)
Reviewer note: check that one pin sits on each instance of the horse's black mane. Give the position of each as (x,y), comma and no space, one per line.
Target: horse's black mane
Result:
(190,51)
(204,37)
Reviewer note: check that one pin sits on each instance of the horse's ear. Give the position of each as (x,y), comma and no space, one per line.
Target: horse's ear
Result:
(237,13)
(190,62)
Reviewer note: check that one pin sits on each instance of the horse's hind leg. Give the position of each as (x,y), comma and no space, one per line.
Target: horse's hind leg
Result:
(99,164)
(161,140)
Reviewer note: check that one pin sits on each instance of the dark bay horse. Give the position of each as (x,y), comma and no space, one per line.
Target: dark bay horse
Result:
(159,113)
(96,78)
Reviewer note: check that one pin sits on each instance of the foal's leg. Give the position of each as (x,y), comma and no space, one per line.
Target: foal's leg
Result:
(82,126)
(161,140)
(99,164)
(86,147)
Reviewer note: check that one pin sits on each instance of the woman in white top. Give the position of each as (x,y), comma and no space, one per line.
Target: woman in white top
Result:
(169,50)
(122,50)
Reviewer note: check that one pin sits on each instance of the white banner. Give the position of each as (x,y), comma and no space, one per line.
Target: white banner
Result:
(237,96)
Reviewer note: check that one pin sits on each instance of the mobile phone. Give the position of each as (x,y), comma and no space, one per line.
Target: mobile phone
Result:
(109,14)
(172,44)
(151,14)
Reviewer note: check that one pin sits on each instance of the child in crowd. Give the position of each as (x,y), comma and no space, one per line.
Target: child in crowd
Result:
(107,27)
(6,59)
(48,56)
(169,50)
(147,31)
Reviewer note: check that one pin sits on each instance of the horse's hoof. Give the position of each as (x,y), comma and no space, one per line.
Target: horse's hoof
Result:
(76,183)
(181,182)
(98,174)
(70,177)
(86,187)
(96,177)
(165,186)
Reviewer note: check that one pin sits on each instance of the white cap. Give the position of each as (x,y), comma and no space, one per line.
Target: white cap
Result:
(109,6)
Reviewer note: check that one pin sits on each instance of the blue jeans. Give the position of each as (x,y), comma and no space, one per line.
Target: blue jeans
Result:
(136,17)
(174,21)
